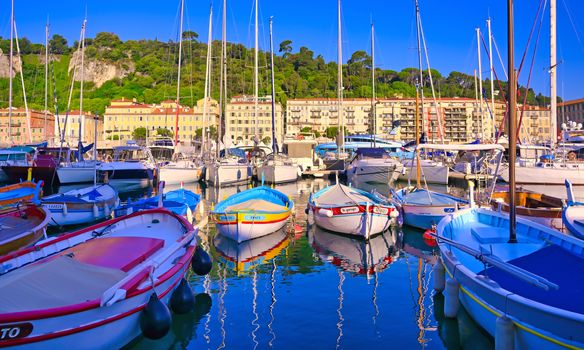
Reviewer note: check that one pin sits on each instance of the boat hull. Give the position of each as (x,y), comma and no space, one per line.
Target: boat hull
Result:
(278,174)
(425,217)
(27,236)
(358,223)
(572,215)
(228,174)
(74,175)
(39,173)
(175,176)
(379,174)
(545,176)
(536,325)
(433,174)
(242,227)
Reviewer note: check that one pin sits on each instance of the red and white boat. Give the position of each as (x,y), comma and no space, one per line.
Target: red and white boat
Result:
(22,226)
(97,288)
(351,211)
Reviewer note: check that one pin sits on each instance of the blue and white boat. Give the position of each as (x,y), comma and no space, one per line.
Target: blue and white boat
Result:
(81,206)
(182,202)
(422,208)
(529,292)
(573,213)
(252,213)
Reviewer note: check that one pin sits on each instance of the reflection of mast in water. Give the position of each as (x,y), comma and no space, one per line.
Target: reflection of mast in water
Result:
(222,314)
(255,322)
(374,300)
(421,314)
(272,303)
(207,283)
(340,308)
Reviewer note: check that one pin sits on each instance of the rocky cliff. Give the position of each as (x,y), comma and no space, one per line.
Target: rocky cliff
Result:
(98,71)
(5,65)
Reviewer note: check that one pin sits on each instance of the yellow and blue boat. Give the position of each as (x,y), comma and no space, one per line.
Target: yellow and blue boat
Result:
(252,213)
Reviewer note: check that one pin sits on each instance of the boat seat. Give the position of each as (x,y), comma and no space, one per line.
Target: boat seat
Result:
(556,265)
(486,234)
(122,253)
(506,252)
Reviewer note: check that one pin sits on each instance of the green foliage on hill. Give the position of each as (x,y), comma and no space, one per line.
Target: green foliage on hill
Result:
(299,74)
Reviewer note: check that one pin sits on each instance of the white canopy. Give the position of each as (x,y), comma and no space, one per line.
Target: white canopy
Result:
(453,147)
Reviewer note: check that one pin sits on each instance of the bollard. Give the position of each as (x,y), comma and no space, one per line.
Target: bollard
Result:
(451,302)
(439,277)
(504,334)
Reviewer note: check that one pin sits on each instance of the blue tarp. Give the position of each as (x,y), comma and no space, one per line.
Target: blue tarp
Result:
(234,152)
(372,152)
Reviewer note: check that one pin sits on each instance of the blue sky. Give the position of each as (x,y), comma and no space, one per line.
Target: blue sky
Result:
(448,25)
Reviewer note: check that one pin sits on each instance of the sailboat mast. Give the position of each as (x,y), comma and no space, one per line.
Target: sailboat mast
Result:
(553,77)
(46,76)
(478,30)
(10,71)
(512,120)
(373,105)
(26,110)
(340,121)
(421,78)
(95,120)
(222,78)
(80,145)
(255,75)
(180,31)
(207,79)
(491,72)
(274,148)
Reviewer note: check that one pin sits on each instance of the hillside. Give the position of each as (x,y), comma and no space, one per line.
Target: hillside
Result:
(147,70)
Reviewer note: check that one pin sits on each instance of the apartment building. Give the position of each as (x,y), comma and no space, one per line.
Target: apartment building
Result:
(240,119)
(124,116)
(572,110)
(73,120)
(41,129)
(460,118)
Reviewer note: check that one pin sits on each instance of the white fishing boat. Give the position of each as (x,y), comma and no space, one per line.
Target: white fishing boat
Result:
(77,172)
(113,279)
(252,213)
(131,164)
(549,173)
(372,165)
(180,171)
(81,206)
(347,210)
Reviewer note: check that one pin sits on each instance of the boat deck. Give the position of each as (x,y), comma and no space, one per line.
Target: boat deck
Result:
(552,263)
(11,226)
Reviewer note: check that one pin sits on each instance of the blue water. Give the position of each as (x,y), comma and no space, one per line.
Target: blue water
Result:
(315,290)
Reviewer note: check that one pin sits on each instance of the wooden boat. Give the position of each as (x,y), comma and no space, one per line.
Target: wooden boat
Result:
(252,213)
(355,255)
(422,208)
(244,256)
(22,226)
(351,211)
(99,287)
(26,191)
(538,207)
(181,202)
(81,206)
(573,213)
(534,286)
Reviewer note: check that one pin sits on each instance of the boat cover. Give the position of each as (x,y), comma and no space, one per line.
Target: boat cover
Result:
(556,265)
(343,195)
(55,283)
(256,205)
(372,152)
(421,197)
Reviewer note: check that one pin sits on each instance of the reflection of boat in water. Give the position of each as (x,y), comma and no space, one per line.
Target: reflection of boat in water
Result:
(355,255)
(249,254)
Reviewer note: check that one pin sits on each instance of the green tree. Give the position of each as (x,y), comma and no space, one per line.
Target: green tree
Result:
(267,140)
(306,129)
(190,35)
(58,44)
(139,133)
(285,48)
(164,132)
(105,39)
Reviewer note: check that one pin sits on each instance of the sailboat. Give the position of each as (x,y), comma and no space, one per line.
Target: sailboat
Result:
(79,171)
(177,170)
(518,280)
(231,166)
(276,168)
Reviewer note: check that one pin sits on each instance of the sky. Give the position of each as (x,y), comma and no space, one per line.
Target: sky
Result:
(449,27)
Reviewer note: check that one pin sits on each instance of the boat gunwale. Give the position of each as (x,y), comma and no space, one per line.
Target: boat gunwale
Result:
(95,303)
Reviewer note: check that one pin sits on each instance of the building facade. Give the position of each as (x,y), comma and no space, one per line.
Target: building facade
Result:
(571,111)
(460,119)
(74,118)
(240,119)
(41,129)
(124,116)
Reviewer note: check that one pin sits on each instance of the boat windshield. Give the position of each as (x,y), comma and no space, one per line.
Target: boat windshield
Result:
(134,154)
